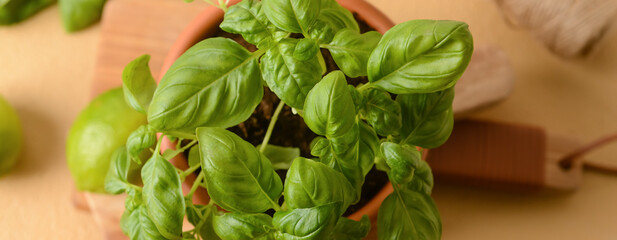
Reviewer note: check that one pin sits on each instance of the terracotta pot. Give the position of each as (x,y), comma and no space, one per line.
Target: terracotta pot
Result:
(206,24)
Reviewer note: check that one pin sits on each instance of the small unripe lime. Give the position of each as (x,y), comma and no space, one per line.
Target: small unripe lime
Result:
(10,137)
(102,127)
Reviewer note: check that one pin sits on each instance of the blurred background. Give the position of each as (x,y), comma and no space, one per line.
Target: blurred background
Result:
(47,75)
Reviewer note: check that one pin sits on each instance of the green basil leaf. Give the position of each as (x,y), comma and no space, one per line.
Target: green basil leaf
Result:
(320,146)
(350,50)
(359,101)
(422,179)
(248,19)
(290,15)
(140,140)
(321,31)
(306,49)
(280,157)
(329,108)
(238,177)
(368,147)
(194,157)
(234,226)
(310,184)
(383,113)
(14,11)
(380,162)
(402,160)
(337,16)
(352,154)
(216,83)
(116,180)
(332,18)
(133,199)
(79,14)
(428,118)
(192,212)
(289,77)
(138,225)
(307,223)
(138,84)
(347,229)
(420,56)
(343,156)
(162,194)
(408,215)
(328,4)
(206,226)
(170,153)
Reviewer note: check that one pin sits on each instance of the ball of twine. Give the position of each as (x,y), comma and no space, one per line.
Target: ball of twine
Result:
(569,28)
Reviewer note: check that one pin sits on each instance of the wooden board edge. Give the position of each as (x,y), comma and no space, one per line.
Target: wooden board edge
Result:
(555,176)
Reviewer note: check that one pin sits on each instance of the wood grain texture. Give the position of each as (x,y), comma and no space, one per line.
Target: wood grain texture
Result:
(554,176)
(501,155)
(131,28)
(107,211)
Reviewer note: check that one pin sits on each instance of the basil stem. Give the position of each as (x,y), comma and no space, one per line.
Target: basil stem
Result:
(275,117)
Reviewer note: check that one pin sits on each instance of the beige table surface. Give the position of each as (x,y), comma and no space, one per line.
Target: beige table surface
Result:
(46,74)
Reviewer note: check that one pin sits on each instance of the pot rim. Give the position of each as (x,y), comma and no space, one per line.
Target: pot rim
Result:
(207,22)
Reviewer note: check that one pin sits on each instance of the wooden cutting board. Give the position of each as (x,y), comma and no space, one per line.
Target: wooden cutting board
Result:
(506,156)
(131,28)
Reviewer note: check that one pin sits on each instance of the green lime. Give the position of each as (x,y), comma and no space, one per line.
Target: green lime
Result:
(10,137)
(102,127)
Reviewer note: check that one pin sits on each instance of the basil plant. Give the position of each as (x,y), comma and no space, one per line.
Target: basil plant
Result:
(405,105)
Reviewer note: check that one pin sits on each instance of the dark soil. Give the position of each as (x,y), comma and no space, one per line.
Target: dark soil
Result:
(290,129)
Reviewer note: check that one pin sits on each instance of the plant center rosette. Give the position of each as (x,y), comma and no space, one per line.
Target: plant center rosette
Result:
(403,105)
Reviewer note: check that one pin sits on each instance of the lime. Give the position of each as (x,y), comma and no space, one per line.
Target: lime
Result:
(102,127)
(10,137)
